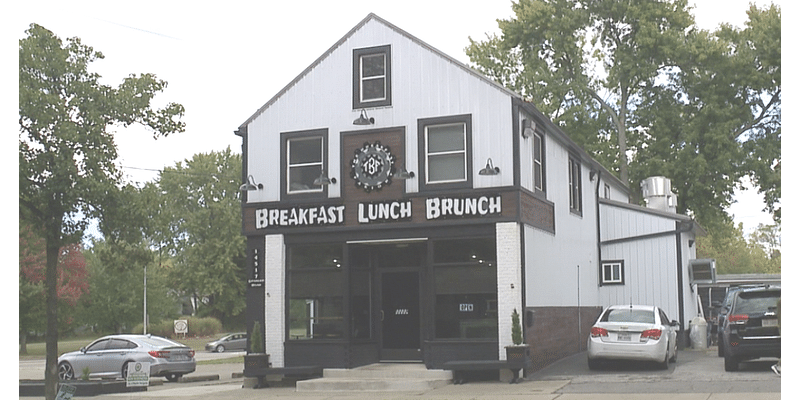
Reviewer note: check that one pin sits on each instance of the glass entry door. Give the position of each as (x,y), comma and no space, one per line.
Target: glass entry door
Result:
(400,316)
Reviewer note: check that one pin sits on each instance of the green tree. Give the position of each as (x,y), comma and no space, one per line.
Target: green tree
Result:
(67,149)
(737,254)
(115,303)
(638,80)
(198,221)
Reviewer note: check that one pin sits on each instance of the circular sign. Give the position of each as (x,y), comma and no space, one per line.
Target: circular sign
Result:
(372,166)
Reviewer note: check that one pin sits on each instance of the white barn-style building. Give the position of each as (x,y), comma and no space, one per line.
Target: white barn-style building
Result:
(399,205)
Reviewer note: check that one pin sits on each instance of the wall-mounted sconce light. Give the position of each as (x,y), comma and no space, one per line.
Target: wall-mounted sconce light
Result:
(323,179)
(363,119)
(403,174)
(490,169)
(251,185)
(592,174)
(528,128)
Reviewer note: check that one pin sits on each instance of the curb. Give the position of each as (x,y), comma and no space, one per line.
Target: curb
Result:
(198,378)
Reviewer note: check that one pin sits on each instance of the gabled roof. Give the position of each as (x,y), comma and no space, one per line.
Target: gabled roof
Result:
(341,41)
(553,129)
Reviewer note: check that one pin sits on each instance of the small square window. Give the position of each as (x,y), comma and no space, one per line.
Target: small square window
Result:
(372,77)
(612,273)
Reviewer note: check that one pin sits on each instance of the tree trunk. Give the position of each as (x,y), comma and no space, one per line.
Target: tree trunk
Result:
(23,343)
(51,337)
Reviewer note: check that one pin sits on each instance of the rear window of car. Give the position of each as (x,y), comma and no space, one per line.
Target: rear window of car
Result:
(629,315)
(159,342)
(756,302)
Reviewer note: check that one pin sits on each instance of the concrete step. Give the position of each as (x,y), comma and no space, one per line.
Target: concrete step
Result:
(378,378)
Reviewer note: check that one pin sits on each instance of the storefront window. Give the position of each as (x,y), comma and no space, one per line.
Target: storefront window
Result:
(316,292)
(465,274)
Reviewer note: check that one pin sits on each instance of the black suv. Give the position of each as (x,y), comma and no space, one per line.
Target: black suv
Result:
(751,329)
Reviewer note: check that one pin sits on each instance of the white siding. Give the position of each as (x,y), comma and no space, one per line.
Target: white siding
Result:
(561,267)
(424,84)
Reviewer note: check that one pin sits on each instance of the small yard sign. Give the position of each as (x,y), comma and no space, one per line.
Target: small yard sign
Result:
(138,374)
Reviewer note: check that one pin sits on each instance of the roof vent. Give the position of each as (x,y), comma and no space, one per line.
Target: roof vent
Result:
(657,192)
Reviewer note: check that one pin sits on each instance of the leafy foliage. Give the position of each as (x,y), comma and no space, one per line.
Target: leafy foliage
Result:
(66,150)
(637,81)
(516,328)
(195,214)
(735,254)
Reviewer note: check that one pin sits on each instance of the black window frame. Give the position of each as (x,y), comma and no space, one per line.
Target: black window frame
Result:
(358,54)
(612,263)
(539,187)
(422,125)
(574,185)
(286,137)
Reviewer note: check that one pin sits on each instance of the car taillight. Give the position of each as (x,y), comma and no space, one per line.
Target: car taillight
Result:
(597,332)
(654,334)
(191,353)
(159,353)
(738,319)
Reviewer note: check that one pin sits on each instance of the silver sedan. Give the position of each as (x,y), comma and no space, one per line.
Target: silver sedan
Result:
(109,357)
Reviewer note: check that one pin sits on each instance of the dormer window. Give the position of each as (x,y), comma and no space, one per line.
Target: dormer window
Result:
(372,83)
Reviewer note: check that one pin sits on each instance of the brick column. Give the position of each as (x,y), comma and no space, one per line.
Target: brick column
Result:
(509,280)
(275,299)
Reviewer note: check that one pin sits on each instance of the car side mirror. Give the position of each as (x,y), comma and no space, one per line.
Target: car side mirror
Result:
(83,349)
(674,323)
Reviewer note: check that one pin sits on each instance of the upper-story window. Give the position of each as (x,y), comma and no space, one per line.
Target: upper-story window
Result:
(304,160)
(538,162)
(445,142)
(372,73)
(575,185)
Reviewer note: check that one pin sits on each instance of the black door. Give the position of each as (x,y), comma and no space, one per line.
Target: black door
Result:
(400,316)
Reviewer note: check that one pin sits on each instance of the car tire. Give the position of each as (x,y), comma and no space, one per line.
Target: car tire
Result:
(173,377)
(674,358)
(731,361)
(220,349)
(593,364)
(664,364)
(65,371)
(124,371)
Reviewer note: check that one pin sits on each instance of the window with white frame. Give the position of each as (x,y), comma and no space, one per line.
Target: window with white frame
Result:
(444,146)
(304,164)
(575,186)
(612,272)
(372,83)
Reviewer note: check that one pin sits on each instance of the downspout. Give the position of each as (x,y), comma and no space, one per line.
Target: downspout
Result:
(597,219)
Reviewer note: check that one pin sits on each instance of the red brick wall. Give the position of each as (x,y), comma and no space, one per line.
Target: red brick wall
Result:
(555,334)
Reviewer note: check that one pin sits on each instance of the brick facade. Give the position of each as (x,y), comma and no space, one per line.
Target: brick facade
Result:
(555,334)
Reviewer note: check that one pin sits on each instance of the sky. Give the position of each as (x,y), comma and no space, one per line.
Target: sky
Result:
(224,60)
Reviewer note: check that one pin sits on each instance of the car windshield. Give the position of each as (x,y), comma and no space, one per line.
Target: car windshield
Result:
(629,315)
(756,302)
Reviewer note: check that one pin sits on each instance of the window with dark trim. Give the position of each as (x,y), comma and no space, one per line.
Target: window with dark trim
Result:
(304,156)
(575,186)
(372,77)
(538,162)
(316,292)
(465,284)
(612,272)
(445,161)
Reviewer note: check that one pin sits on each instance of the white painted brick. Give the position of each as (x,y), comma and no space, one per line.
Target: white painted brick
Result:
(509,280)
(274,298)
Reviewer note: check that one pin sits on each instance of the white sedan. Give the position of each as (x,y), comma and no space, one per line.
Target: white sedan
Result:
(633,332)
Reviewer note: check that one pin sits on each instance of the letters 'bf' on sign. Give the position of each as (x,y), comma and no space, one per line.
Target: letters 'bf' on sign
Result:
(181,326)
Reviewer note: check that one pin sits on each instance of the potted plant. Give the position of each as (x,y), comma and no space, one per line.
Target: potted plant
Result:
(255,357)
(518,352)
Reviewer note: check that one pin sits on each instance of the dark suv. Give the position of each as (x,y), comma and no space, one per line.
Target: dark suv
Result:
(751,329)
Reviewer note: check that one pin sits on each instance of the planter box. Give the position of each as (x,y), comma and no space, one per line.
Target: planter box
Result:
(256,361)
(518,354)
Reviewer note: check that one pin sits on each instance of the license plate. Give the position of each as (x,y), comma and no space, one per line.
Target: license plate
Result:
(624,337)
(769,323)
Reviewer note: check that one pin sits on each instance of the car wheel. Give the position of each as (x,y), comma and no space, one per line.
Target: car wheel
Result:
(594,364)
(675,354)
(65,371)
(664,364)
(731,361)
(220,349)
(173,377)
(124,371)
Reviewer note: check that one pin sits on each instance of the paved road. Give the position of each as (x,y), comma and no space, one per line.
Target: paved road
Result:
(698,375)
